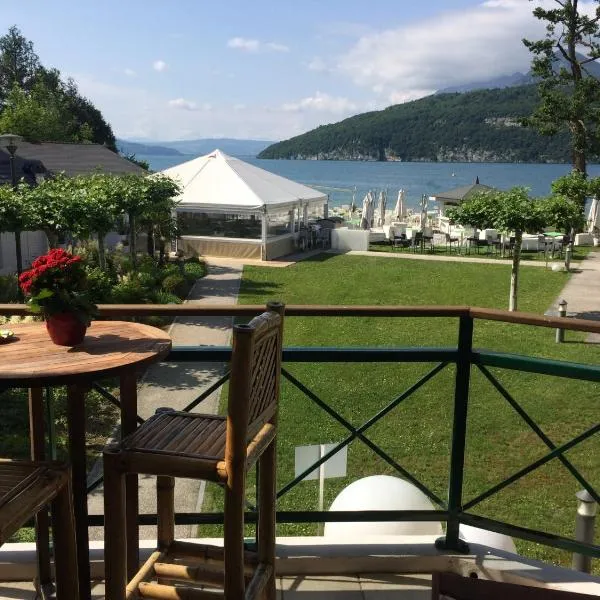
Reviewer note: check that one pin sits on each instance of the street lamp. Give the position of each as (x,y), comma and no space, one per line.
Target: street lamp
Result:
(10,141)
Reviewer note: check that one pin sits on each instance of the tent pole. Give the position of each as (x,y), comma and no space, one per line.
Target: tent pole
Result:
(264,235)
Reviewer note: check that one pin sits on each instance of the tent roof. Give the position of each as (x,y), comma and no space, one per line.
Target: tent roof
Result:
(221,183)
(461,193)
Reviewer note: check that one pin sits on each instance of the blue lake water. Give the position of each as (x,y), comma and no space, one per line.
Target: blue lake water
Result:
(415,178)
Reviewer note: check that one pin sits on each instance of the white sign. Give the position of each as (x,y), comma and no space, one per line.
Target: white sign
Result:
(309,455)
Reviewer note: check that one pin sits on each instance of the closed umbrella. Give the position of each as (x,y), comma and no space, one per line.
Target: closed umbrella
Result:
(399,210)
(382,203)
(593,222)
(367,211)
(423,211)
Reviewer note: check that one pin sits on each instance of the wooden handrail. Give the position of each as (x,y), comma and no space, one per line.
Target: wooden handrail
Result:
(325,310)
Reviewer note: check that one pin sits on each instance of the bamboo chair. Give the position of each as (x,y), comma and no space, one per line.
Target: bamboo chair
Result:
(454,587)
(213,448)
(25,489)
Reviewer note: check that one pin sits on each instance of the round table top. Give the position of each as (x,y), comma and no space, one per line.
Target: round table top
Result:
(109,348)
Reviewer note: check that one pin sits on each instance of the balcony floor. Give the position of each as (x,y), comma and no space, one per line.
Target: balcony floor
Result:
(313,587)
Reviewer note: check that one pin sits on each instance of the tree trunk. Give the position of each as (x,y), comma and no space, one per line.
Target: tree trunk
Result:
(52,237)
(161,250)
(150,240)
(514,272)
(132,239)
(577,127)
(18,252)
(101,251)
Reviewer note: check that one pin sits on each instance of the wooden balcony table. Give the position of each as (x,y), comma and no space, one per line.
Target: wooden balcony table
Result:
(110,349)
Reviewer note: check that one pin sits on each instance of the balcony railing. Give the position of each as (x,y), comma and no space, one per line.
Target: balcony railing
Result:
(454,509)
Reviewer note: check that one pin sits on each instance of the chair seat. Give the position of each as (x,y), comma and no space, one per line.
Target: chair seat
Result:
(182,434)
(25,488)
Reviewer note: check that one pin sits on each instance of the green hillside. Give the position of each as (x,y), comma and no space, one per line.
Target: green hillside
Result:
(482,125)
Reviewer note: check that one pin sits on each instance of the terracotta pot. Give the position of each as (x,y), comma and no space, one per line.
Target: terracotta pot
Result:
(66,329)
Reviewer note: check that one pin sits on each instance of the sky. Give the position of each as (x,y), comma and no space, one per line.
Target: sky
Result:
(268,69)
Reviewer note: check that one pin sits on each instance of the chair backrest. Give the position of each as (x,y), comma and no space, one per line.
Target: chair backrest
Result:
(255,375)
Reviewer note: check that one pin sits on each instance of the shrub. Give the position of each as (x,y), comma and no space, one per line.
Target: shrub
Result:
(129,292)
(100,285)
(163,297)
(175,284)
(170,269)
(146,280)
(194,270)
(8,289)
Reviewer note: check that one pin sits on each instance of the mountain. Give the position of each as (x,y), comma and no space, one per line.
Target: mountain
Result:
(227,145)
(127,148)
(592,68)
(498,82)
(478,126)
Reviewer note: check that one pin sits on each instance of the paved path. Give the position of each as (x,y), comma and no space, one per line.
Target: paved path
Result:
(175,385)
(459,258)
(582,291)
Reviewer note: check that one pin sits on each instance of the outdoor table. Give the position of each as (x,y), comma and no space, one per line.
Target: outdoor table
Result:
(110,349)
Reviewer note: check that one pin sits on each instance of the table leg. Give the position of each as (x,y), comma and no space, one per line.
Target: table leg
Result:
(128,396)
(77,454)
(38,453)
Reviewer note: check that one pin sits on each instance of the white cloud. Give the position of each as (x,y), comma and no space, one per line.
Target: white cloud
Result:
(244,44)
(253,45)
(317,64)
(275,47)
(453,48)
(129,72)
(136,112)
(159,65)
(183,104)
(322,103)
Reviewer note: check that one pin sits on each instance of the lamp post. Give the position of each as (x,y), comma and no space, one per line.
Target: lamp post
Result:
(10,141)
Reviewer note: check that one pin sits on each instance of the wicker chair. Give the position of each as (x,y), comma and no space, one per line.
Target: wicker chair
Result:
(25,489)
(212,448)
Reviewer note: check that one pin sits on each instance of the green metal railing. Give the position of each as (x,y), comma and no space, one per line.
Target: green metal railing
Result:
(456,508)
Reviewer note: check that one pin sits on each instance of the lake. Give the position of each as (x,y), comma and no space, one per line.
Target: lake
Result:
(415,178)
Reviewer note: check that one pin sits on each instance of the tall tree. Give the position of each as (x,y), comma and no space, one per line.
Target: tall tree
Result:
(569,93)
(38,104)
(41,114)
(18,62)
(507,211)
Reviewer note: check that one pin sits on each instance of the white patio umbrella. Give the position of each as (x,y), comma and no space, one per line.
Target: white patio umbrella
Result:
(593,221)
(367,211)
(423,211)
(399,210)
(382,204)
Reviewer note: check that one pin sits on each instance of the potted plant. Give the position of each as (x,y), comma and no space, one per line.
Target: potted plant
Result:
(56,287)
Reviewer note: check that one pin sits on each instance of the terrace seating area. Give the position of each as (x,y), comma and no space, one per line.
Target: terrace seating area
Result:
(398,566)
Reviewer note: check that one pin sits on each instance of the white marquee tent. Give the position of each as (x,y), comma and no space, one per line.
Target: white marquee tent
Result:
(225,201)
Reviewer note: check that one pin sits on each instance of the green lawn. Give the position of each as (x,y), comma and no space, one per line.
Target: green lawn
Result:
(417,433)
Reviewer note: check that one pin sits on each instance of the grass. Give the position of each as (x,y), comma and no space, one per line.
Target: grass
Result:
(417,433)
(579,253)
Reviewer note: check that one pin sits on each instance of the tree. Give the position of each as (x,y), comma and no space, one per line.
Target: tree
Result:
(93,209)
(569,93)
(506,211)
(158,218)
(18,63)
(38,115)
(147,201)
(16,216)
(38,104)
(50,203)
